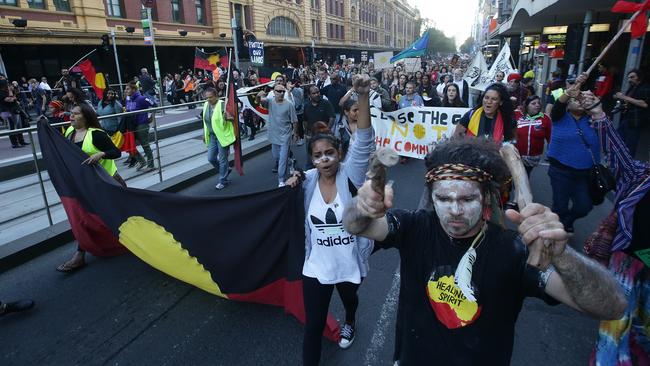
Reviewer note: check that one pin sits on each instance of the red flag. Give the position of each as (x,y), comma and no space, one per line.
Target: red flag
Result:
(96,79)
(205,61)
(231,108)
(225,62)
(640,22)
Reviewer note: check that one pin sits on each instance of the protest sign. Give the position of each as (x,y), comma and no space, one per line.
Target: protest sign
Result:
(256,53)
(413,131)
(382,60)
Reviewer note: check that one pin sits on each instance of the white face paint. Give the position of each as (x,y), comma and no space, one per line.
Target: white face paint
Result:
(458,204)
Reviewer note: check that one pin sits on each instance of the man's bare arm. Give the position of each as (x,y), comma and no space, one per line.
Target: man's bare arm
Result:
(585,285)
(366,214)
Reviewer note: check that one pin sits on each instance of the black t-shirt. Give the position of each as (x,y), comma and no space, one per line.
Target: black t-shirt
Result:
(436,324)
(334,93)
(321,112)
(486,126)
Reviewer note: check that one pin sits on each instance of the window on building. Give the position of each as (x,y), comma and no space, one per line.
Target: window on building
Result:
(200,12)
(315,4)
(13,3)
(114,8)
(62,5)
(237,12)
(248,17)
(36,4)
(282,26)
(315,28)
(177,11)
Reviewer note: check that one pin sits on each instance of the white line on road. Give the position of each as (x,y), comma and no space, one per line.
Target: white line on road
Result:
(379,335)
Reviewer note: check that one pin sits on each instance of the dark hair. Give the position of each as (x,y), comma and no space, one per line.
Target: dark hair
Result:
(638,73)
(457,102)
(348,104)
(528,101)
(105,95)
(477,152)
(89,115)
(320,127)
(506,108)
(132,85)
(322,136)
(78,94)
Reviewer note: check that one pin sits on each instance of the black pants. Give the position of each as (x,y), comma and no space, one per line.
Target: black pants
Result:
(301,127)
(15,122)
(249,121)
(317,301)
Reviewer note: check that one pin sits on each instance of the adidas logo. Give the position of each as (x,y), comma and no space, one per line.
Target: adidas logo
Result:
(332,228)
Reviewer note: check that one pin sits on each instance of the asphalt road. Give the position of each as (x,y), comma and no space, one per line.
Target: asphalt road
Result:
(120,311)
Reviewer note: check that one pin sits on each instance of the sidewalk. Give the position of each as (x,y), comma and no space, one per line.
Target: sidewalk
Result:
(9,155)
(22,209)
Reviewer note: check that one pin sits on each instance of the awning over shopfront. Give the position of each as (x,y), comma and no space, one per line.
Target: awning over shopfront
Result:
(531,16)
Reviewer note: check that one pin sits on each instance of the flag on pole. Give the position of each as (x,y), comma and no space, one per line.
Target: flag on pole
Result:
(91,70)
(416,49)
(203,241)
(233,110)
(205,61)
(640,22)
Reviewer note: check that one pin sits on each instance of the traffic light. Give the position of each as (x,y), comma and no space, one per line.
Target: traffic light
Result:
(106,42)
(239,38)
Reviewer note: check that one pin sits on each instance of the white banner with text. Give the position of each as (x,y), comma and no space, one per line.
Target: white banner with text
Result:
(413,131)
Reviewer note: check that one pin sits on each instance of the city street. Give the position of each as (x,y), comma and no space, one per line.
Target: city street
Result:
(120,311)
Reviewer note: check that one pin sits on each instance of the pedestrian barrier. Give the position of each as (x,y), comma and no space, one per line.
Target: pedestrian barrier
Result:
(19,207)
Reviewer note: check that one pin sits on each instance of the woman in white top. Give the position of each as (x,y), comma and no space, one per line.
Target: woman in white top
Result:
(333,257)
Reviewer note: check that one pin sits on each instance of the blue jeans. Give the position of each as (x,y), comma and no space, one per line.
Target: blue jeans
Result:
(281,154)
(570,185)
(218,157)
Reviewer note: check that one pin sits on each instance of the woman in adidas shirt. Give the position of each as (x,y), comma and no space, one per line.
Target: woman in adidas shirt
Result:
(333,257)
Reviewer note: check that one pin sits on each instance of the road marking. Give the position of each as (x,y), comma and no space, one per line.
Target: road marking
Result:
(379,335)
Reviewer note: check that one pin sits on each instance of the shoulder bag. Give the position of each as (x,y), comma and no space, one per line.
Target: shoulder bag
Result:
(601,179)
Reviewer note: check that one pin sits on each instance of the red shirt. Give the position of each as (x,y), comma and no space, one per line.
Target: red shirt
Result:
(531,133)
(604,84)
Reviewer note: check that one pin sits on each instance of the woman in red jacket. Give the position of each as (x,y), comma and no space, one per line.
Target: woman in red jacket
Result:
(533,128)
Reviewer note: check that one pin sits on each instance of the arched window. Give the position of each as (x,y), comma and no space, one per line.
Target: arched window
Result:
(282,26)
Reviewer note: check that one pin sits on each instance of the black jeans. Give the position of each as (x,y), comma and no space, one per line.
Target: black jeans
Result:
(317,301)
(142,136)
(249,121)
(15,122)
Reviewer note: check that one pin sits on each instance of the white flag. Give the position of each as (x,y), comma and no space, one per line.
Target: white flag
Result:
(502,63)
(477,68)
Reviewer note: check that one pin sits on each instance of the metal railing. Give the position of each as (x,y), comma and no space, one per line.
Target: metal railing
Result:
(30,130)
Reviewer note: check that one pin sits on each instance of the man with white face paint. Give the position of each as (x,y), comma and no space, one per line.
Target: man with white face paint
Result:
(464,277)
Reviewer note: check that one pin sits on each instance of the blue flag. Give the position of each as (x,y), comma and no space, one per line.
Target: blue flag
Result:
(416,49)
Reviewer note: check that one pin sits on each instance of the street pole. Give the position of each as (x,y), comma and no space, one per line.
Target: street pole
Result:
(233,24)
(117,62)
(313,52)
(585,40)
(155,57)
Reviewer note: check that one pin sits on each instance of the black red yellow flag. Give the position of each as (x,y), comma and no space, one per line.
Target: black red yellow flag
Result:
(245,248)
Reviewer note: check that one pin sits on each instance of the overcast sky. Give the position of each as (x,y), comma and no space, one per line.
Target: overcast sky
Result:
(455,18)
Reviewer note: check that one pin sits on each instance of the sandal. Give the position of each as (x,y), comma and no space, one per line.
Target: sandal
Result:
(69,268)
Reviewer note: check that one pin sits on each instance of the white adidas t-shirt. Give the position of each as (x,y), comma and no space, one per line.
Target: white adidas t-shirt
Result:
(333,256)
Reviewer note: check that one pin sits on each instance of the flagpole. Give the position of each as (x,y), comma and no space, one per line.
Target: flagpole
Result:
(75,64)
(611,43)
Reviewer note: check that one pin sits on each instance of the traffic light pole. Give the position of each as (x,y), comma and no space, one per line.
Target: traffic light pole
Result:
(117,62)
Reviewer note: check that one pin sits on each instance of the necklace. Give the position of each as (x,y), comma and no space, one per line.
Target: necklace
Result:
(463,275)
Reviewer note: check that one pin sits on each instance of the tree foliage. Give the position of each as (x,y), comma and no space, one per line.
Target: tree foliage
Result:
(438,42)
(466,47)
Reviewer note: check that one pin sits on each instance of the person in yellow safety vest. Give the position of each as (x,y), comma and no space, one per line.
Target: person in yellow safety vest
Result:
(86,132)
(219,134)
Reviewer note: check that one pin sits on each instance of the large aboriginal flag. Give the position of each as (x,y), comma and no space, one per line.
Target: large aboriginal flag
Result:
(246,248)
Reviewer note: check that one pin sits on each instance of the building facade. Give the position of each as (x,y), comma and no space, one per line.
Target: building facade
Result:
(57,32)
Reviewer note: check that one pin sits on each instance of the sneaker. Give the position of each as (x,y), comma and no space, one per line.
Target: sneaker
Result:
(251,138)
(220,186)
(127,161)
(281,184)
(141,165)
(347,336)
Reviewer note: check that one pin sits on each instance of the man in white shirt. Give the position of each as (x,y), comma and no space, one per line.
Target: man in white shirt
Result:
(463,87)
